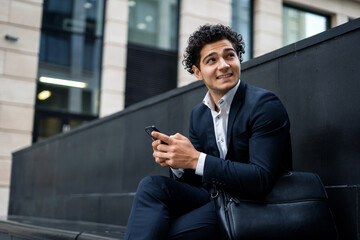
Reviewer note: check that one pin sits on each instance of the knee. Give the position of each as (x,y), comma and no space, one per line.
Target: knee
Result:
(151,181)
(151,185)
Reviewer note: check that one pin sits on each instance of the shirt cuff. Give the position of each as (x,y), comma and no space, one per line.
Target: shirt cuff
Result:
(178,172)
(200,165)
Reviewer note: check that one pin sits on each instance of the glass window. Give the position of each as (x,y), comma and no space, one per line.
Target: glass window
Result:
(70,54)
(49,126)
(69,64)
(52,97)
(242,23)
(153,23)
(49,123)
(299,24)
(152,49)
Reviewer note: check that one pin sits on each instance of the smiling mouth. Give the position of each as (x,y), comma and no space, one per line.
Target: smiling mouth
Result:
(224,76)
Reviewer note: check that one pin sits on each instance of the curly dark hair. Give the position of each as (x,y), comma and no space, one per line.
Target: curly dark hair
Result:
(209,34)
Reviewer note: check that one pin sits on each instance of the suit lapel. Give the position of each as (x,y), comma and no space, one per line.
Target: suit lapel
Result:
(234,109)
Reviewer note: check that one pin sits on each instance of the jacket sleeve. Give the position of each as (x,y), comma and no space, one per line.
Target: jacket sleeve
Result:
(268,146)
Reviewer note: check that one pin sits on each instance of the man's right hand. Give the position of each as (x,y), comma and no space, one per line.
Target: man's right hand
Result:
(178,153)
(160,161)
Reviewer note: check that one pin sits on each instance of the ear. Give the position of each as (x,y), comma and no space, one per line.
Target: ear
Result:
(197,73)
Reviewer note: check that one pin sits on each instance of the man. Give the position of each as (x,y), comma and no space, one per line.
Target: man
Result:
(239,139)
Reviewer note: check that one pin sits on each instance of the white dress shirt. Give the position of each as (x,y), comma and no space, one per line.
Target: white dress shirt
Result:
(220,120)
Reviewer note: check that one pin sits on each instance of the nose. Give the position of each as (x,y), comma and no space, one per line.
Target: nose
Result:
(223,65)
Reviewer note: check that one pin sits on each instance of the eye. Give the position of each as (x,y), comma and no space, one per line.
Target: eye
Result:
(210,60)
(231,55)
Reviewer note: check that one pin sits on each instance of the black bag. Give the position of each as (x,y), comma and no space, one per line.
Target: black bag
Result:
(296,208)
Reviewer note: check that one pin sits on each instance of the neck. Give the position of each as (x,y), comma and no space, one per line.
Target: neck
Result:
(215,98)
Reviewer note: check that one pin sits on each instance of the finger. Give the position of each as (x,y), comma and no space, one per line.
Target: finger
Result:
(161,137)
(160,155)
(155,144)
(161,162)
(164,164)
(178,136)
(163,148)
(169,162)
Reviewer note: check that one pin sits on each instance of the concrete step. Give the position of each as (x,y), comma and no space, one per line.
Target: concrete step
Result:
(26,228)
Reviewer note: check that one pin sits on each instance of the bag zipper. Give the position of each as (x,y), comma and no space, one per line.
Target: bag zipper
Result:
(228,216)
(231,200)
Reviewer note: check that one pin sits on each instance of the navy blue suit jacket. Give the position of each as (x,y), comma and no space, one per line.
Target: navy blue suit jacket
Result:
(258,140)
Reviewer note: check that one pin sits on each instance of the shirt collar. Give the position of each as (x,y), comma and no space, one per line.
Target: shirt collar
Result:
(225,100)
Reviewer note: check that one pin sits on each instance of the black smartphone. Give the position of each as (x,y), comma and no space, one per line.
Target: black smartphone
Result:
(150,129)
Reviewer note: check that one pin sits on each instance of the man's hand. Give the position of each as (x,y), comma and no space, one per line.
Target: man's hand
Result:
(179,153)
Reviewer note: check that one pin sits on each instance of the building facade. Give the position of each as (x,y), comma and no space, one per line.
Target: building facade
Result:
(63,63)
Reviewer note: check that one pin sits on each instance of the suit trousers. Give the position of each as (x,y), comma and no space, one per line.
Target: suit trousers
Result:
(164,208)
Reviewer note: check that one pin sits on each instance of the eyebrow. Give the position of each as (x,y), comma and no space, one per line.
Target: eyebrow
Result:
(214,53)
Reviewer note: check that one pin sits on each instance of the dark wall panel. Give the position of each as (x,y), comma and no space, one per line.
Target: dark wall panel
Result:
(324,110)
(149,72)
(345,203)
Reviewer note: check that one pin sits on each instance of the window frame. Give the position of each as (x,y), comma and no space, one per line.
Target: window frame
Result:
(304,9)
(248,49)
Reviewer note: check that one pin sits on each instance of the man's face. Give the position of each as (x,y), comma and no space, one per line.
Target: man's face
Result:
(219,67)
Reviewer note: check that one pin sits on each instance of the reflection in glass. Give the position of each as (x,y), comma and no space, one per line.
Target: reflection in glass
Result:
(49,126)
(58,100)
(242,23)
(153,23)
(73,123)
(299,24)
